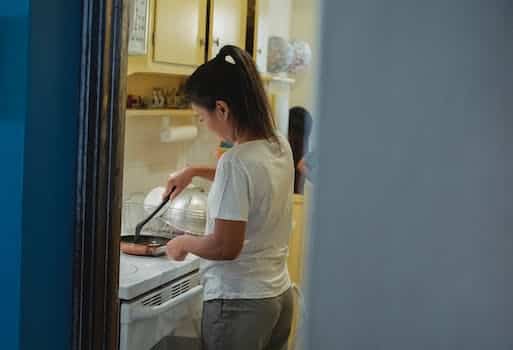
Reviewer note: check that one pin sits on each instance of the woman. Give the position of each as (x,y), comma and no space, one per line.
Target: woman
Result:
(247,295)
(300,125)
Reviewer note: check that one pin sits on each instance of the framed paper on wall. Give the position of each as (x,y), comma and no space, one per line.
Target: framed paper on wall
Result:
(138,27)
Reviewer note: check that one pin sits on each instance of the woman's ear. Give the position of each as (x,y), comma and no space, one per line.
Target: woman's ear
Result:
(223,110)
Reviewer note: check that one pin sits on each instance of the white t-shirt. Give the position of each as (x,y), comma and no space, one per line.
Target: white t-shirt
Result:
(253,183)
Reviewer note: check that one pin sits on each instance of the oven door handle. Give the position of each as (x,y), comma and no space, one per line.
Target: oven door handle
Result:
(144,312)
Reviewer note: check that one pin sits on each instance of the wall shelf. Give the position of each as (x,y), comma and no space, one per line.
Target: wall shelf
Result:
(267,77)
(159,112)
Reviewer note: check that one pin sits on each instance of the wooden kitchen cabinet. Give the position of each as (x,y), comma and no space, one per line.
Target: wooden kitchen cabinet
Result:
(296,258)
(180,30)
(227,24)
(296,242)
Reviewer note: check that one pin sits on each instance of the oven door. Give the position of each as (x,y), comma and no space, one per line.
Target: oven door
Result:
(152,320)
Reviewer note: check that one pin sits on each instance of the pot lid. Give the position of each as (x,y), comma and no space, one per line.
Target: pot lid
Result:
(186,212)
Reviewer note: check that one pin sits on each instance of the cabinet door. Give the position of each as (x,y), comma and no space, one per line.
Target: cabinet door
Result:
(180,30)
(228,23)
(296,242)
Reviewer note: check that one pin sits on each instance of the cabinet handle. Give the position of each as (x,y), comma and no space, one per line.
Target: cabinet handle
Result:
(202,42)
(217,42)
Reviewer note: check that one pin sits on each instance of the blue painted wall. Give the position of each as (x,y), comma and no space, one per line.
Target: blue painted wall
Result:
(40,67)
(413,229)
(13,89)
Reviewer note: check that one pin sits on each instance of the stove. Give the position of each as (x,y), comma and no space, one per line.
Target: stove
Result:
(160,300)
(140,274)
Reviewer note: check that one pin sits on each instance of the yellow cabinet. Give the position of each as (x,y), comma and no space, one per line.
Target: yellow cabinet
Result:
(296,257)
(179,51)
(179,33)
(296,241)
(181,29)
(227,24)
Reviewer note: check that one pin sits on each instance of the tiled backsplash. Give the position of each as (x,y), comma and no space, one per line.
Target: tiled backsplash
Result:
(148,161)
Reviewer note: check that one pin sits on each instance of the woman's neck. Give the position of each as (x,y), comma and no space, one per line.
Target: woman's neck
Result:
(247,137)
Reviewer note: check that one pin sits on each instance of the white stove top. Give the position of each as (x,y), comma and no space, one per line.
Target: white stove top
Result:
(140,274)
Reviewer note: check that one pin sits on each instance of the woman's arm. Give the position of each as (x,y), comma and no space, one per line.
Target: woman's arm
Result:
(177,181)
(301,166)
(203,171)
(224,244)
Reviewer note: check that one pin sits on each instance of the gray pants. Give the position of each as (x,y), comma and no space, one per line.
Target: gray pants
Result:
(247,324)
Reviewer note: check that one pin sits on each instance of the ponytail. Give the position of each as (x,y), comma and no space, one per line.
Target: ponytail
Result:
(232,77)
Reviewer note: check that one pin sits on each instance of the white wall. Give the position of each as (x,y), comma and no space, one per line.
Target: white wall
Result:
(279,18)
(304,26)
(148,162)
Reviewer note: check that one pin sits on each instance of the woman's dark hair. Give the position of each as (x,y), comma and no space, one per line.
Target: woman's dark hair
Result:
(300,122)
(300,126)
(232,77)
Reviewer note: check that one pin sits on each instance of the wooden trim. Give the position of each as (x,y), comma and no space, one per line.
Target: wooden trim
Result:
(99,177)
(209,27)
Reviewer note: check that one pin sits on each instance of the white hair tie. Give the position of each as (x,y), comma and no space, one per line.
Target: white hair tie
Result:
(229,59)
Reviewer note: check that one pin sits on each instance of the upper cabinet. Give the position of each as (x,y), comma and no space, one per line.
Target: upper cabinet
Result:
(227,24)
(180,32)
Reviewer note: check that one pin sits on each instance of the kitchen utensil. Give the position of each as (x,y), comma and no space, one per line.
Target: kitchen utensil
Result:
(187,211)
(134,212)
(140,225)
(145,244)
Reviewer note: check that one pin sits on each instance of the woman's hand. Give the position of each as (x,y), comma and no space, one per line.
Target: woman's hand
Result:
(177,182)
(175,249)
(225,243)
(301,166)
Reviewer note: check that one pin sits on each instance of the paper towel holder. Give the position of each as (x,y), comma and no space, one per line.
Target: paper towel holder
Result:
(178,134)
(165,122)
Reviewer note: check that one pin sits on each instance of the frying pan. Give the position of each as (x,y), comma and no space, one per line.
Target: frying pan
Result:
(145,245)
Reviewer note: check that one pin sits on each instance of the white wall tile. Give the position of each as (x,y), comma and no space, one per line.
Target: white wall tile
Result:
(148,162)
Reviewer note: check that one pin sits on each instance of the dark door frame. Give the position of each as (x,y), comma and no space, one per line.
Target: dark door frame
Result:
(99,175)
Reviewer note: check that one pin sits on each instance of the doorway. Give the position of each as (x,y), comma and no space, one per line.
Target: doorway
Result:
(99,178)
(117,93)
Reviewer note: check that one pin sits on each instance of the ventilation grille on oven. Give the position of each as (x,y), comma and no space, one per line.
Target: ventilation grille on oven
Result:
(172,291)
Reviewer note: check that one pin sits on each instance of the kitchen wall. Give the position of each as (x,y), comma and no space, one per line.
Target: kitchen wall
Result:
(39,73)
(148,161)
(279,18)
(14,33)
(50,164)
(304,26)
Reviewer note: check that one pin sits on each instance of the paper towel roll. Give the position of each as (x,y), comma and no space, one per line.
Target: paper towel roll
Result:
(178,133)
